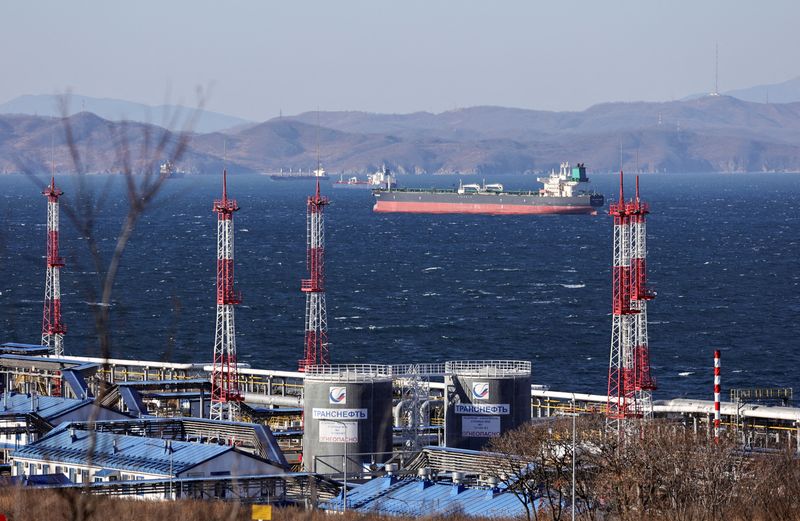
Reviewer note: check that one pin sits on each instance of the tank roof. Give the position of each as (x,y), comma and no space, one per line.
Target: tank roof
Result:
(349,372)
(488,368)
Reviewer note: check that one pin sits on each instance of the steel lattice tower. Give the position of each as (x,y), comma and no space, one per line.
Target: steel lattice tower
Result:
(644,383)
(622,402)
(53,329)
(316,324)
(225,395)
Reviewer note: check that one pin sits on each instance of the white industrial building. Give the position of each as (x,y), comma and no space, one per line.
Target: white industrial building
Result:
(118,457)
(24,418)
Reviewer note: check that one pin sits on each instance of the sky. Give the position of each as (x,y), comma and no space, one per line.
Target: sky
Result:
(257,59)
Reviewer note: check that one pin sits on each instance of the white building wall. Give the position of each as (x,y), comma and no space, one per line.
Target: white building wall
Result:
(37,467)
(234,463)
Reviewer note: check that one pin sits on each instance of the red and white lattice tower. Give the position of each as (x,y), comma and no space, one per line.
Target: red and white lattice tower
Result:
(644,384)
(316,335)
(622,402)
(225,395)
(53,329)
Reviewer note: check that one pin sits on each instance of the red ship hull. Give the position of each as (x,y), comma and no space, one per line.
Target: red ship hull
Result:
(478,208)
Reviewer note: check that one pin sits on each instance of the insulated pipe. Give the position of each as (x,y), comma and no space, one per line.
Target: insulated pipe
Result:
(716,395)
(425,410)
(274,399)
(398,412)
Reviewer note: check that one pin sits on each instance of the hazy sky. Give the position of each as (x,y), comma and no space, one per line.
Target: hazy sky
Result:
(260,57)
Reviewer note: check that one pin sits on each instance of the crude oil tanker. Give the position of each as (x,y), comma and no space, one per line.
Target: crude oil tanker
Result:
(559,195)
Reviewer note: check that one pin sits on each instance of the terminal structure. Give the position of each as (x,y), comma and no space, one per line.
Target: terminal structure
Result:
(53,328)
(630,382)
(644,383)
(621,369)
(411,439)
(316,324)
(225,395)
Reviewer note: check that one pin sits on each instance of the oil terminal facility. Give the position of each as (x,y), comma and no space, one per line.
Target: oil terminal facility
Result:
(396,439)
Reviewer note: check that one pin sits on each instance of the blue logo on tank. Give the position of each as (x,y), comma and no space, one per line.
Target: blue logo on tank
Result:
(480,391)
(338,395)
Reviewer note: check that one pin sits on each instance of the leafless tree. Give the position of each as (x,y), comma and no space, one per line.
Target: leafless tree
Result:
(659,470)
(537,466)
(138,159)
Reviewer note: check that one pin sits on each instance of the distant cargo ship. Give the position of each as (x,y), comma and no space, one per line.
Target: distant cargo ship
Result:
(383,178)
(319,173)
(559,195)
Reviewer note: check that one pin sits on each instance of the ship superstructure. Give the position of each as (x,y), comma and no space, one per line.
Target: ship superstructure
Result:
(318,174)
(383,178)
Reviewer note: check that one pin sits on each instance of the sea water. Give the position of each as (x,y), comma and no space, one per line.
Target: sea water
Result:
(723,260)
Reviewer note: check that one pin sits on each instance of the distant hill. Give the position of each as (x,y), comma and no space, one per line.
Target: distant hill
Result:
(25,144)
(712,133)
(784,92)
(173,117)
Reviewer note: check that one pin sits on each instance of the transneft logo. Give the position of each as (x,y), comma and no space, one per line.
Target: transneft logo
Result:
(493,408)
(480,391)
(337,395)
(339,414)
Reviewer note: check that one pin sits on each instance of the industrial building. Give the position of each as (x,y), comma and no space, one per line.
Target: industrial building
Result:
(24,418)
(86,456)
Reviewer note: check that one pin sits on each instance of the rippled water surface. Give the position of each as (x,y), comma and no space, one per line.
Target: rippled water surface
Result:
(723,257)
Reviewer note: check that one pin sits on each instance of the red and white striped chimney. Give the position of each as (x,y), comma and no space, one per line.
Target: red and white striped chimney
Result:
(716,395)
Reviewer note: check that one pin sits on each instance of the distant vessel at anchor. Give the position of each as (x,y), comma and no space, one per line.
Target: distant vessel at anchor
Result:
(559,195)
(319,173)
(383,178)
(168,170)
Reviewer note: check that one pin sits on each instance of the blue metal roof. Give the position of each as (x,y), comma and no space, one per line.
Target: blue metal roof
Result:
(17,348)
(414,497)
(132,453)
(24,346)
(47,407)
(53,360)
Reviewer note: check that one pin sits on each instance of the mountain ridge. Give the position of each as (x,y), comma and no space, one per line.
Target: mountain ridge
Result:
(714,133)
(172,116)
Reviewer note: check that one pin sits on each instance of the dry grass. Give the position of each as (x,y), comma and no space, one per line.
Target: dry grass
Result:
(19,504)
(35,505)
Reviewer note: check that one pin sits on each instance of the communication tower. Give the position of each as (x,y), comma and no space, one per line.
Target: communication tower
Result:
(53,329)
(316,323)
(225,395)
